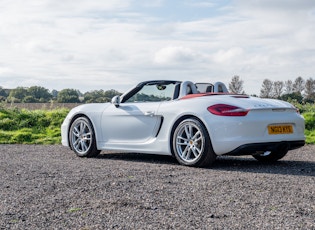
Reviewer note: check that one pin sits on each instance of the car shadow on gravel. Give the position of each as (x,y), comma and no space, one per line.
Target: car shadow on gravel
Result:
(226,163)
(283,167)
(139,157)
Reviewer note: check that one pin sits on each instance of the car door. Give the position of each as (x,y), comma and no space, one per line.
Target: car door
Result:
(130,122)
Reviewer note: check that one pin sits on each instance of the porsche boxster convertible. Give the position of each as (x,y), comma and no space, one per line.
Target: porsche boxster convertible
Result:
(194,122)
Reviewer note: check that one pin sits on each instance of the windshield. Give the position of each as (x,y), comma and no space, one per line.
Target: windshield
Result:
(154,92)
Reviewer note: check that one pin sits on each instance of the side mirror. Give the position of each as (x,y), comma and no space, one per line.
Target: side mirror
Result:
(116,101)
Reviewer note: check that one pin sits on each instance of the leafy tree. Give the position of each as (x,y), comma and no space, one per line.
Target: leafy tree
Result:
(3,94)
(97,96)
(29,95)
(278,88)
(299,85)
(310,90)
(30,99)
(267,87)
(38,94)
(100,96)
(111,93)
(295,96)
(236,85)
(17,94)
(68,96)
(288,86)
(54,94)
(144,97)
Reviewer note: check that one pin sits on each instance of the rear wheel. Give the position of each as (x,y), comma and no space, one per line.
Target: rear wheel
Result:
(82,138)
(271,156)
(192,145)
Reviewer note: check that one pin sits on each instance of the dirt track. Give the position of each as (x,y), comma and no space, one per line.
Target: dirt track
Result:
(48,187)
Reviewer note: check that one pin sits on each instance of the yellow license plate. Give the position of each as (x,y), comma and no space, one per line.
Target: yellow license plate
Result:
(280,129)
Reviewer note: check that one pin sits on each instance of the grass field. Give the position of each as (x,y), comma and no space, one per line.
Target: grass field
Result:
(23,126)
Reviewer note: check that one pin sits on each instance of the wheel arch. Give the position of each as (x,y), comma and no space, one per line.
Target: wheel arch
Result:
(176,123)
(87,117)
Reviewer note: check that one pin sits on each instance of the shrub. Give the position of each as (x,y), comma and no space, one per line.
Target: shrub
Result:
(23,136)
(309,120)
(7,124)
(310,136)
(31,126)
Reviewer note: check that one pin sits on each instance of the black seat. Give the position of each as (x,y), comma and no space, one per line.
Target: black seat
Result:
(189,91)
(209,89)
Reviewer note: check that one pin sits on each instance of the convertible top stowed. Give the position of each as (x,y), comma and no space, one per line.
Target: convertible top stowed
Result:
(194,122)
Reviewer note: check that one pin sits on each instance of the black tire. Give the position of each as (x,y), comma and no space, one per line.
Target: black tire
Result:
(82,138)
(192,145)
(271,156)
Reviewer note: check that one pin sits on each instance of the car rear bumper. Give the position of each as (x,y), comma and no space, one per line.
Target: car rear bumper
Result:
(249,149)
(233,134)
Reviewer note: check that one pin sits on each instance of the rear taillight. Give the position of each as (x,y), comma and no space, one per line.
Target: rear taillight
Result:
(227,110)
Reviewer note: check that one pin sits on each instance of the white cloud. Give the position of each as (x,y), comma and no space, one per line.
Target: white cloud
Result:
(174,55)
(229,55)
(5,70)
(200,4)
(114,44)
(279,5)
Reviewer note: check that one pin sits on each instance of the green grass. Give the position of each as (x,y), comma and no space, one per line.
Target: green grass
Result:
(22,126)
(309,127)
(309,120)
(310,136)
(71,210)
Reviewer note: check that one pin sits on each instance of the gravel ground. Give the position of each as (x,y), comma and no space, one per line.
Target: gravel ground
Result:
(48,187)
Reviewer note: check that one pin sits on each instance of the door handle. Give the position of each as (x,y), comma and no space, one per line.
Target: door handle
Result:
(149,113)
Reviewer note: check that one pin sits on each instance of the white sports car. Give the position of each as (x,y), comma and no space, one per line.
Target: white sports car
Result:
(192,122)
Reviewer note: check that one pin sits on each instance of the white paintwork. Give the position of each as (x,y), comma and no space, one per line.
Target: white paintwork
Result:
(134,126)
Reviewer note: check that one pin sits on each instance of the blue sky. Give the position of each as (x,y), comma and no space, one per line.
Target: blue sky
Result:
(89,45)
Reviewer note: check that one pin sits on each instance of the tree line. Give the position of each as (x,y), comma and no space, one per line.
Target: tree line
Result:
(303,91)
(38,94)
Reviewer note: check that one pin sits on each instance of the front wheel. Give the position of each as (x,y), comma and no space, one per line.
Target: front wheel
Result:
(192,145)
(82,138)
